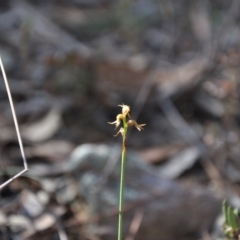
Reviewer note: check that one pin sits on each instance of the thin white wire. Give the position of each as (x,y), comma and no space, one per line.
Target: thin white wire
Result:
(16,127)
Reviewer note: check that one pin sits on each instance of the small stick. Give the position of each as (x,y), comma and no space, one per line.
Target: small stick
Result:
(16,127)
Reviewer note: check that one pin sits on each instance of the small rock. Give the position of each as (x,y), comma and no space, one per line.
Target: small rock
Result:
(31,204)
(18,222)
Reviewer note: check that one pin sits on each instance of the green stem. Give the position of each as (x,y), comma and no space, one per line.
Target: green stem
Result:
(122,178)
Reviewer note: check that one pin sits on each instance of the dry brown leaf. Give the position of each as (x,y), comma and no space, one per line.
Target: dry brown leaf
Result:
(44,128)
(160,153)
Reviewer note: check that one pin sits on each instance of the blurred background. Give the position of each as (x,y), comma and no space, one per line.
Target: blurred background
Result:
(69,65)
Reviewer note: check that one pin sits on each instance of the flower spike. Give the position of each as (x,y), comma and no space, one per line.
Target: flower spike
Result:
(123,119)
